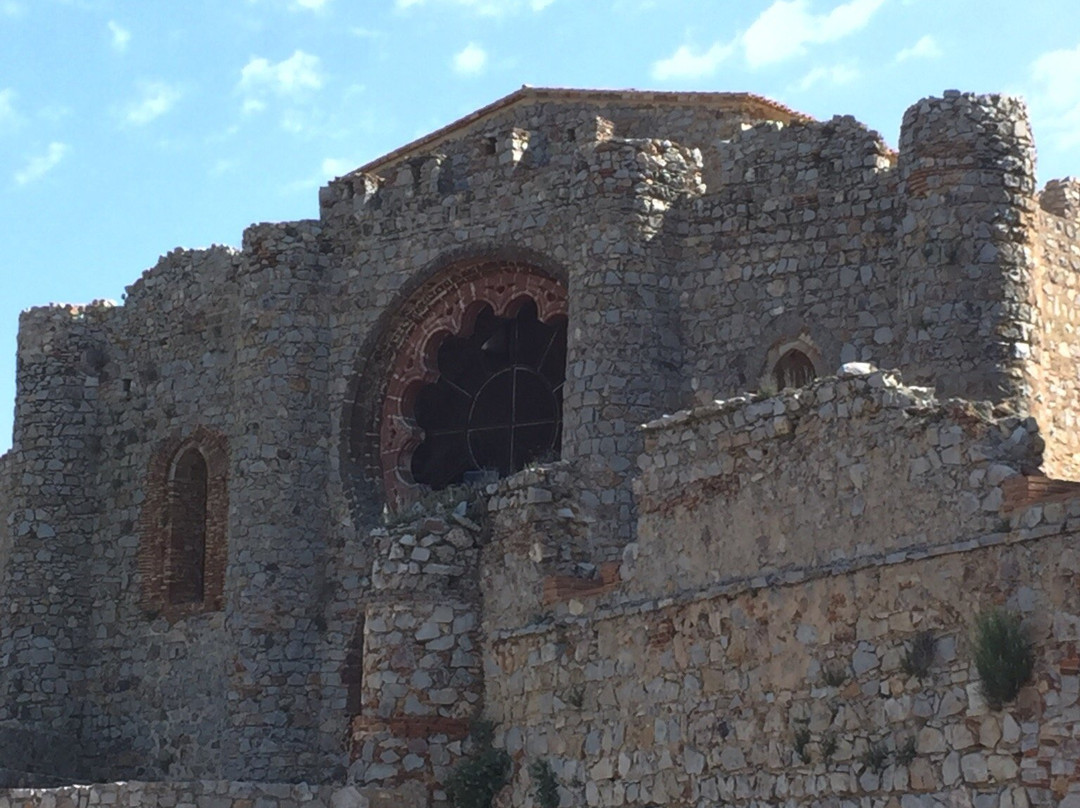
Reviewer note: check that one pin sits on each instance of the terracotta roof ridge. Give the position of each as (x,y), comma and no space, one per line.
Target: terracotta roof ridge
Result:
(527,92)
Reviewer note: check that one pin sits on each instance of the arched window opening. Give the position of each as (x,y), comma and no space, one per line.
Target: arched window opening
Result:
(187,512)
(793,369)
(496,405)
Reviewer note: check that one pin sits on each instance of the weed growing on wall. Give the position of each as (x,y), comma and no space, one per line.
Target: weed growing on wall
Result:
(828,746)
(477,779)
(545,786)
(834,674)
(802,739)
(905,752)
(919,656)
(876,756)
(1004,657)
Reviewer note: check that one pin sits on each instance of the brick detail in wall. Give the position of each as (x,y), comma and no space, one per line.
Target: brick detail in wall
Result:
(561,588)
(1024,490)
(181,562)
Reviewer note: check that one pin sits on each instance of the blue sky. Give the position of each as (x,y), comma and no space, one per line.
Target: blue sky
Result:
(129,127)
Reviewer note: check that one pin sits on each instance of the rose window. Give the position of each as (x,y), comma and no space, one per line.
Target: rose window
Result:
(496,404)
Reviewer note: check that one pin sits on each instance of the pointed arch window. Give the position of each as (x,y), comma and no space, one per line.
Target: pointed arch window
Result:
(184,525)
(185,566)
(793,369)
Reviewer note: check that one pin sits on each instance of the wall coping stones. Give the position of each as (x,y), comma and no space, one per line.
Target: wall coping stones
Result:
(1065,523)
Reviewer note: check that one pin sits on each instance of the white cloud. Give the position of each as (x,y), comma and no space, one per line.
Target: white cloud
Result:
(786,27)
(222,166)
(120,36)
(926,48)
(337,166)
(157,99)
(838,74)
(782,31)
(292,76)
(9,8)
(38,167)
(310,5)
(485,8)
(1056,97)
(470,60)
(9,116)
(684,63)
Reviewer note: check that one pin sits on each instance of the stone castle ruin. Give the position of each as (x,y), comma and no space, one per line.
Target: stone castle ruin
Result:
(568,415)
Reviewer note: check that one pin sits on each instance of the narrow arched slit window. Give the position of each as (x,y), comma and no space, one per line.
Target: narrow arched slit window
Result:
(793,369)
(185,567)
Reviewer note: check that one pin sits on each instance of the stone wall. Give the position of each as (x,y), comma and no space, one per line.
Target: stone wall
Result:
(1056,340)
(192,794)
(422,682)
(783,692)
(846,468)
(794,242)
(693,235)
(752,649)
(967,171)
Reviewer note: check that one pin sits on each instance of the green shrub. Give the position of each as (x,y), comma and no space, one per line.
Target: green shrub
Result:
(828,746)
(476,780)
(1004,657)
(834,674)
(802,739)
(905,753)
(876,756)
(545,786)
(919,656)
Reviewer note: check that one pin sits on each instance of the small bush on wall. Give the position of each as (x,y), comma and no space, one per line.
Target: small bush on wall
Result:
(919,655)
(476,780)
(1004,658)
(545,786)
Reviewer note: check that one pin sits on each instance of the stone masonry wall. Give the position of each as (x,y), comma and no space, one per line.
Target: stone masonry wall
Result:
(191,794)
(793,242)
(1056,341)
(844,468)
(421,682)
(562,188)
(689,249)
(794,692)
(751,650)
(51,512)
(967,168)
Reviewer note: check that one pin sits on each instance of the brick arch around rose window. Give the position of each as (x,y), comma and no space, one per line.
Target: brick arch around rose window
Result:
(183,545)
(405,360)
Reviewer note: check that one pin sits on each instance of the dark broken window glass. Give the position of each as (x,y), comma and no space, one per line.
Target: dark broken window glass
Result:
(497,404)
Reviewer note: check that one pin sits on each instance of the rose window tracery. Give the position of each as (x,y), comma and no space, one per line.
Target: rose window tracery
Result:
(497,402)
(473,389)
